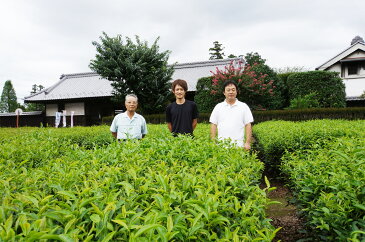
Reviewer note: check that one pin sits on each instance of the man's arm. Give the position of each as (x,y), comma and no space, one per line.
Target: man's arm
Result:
(213,131)
(169,126)
(248,135)
(114,134)
(195,122)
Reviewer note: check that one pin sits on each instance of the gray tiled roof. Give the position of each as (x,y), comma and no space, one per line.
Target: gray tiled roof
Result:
(91,85)
(71,86)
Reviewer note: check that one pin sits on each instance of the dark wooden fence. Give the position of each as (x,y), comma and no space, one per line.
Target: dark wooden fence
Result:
(34,119)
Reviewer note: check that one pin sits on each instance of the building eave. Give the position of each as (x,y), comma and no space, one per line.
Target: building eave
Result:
(337,58)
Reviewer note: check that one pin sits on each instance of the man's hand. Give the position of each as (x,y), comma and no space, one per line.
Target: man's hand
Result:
(213,131)
(247,146)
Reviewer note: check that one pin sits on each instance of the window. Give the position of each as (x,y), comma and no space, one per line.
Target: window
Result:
(353,68)
(61,107)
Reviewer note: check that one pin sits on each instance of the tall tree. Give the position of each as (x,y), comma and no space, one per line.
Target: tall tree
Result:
(216,51)
(8,101)
(254,58)
(35,106)
(258,65)
(134,67)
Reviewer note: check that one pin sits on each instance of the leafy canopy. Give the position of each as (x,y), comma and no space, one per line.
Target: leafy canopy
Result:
(216,51)
(8,101)
(134,67)
(35,106)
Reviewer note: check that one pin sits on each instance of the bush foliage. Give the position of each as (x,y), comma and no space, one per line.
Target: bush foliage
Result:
(323,160)
(258,85)
(80,184)
(134,67)
(328,86)
(203,97)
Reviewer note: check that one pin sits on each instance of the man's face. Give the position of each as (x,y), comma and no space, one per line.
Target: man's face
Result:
(230,92)
(179,92)
(131,104)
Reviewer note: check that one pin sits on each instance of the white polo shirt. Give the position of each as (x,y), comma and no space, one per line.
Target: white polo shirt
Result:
(127,128)
(231,120)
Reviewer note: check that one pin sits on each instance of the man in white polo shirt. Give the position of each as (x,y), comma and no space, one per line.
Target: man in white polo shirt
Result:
(129,125)
(232,118)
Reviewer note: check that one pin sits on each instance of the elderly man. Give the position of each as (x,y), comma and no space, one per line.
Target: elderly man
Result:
(129,125)
(232,118)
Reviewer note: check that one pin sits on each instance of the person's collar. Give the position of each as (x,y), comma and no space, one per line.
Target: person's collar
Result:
(125,114)
(183,101)
(234,104)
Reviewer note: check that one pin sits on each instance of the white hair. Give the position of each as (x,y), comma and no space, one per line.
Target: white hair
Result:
(131,95)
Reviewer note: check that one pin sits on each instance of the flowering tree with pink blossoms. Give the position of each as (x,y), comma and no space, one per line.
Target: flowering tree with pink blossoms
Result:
(256,89)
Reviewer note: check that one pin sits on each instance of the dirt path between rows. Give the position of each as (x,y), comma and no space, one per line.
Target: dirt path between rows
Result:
(284,215)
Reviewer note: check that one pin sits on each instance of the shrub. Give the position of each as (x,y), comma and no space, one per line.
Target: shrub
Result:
(308,101)
(283,77)
(329,87)
(203,97)
(256,89)
(162,188)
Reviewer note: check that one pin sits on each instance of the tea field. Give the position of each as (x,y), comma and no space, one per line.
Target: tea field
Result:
(78,184)
(324,161)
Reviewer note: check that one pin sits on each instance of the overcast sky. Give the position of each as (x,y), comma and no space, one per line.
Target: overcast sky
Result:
(42,39)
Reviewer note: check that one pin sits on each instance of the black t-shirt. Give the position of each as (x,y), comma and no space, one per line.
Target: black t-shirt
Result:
(181,116)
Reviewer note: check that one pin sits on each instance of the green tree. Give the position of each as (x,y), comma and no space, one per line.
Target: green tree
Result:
(254,58)
(203,97)
(216,51)
(35,106)
(254,88)
(134,67)
(8,101)
(258,65)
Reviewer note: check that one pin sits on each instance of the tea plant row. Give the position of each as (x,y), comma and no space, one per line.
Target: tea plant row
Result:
(80,185)
(325,163)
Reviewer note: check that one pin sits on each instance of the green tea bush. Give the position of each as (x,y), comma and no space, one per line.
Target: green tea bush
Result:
(160,188)
(276,137)
(324,162)
(329,185)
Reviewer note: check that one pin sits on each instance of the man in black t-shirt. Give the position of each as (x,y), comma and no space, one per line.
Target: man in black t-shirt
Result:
(181,115)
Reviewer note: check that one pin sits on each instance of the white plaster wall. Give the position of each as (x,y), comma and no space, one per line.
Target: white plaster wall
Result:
(336,68)
(78,108)
(354,87)
(51,109)
(355,84)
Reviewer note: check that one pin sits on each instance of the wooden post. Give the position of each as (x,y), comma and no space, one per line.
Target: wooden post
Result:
(18,111)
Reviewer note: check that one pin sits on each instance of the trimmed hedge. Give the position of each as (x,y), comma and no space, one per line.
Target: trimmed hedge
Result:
(328,86)
(290,115)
